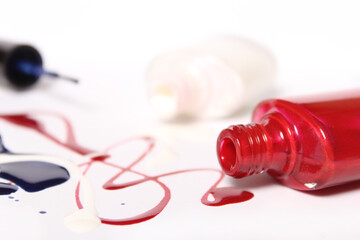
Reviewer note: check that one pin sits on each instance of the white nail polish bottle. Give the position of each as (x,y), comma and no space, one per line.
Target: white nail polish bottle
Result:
(212,79)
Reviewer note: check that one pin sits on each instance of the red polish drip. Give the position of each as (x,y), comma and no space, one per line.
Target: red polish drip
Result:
(305,144)
(226,195)
(26,120)
(221,196)
(100,158)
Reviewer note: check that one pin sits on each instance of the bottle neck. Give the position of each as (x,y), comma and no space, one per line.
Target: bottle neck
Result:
(245,150)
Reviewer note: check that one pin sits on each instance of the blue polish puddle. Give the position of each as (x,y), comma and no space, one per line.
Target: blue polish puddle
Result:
(32,176)
(42,212)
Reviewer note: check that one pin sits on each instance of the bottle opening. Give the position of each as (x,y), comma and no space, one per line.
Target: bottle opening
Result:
(244,150)
(227,155)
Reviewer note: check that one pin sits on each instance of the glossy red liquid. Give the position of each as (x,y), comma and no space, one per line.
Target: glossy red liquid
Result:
(220,196)
(306,144)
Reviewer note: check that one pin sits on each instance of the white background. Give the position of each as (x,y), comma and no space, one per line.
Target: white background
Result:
(108,44)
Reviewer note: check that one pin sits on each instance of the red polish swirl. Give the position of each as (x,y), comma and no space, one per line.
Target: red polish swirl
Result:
(213,197)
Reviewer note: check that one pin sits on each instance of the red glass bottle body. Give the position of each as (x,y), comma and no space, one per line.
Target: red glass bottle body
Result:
(306,144)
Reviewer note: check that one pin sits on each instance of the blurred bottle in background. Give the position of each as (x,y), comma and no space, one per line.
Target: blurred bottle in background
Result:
(212,79)
(21,66)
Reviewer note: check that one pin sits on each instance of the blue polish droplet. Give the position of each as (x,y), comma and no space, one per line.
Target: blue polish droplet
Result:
(11,197)
(42,212)
(122,203)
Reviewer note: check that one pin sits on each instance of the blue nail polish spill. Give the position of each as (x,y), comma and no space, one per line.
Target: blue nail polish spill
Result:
(32,176)
(42,212)
(122,203)
(11,197)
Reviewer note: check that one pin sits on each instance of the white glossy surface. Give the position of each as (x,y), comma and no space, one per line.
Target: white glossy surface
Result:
(108,47)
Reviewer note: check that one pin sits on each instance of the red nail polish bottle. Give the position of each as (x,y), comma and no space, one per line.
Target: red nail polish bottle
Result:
(306,144)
